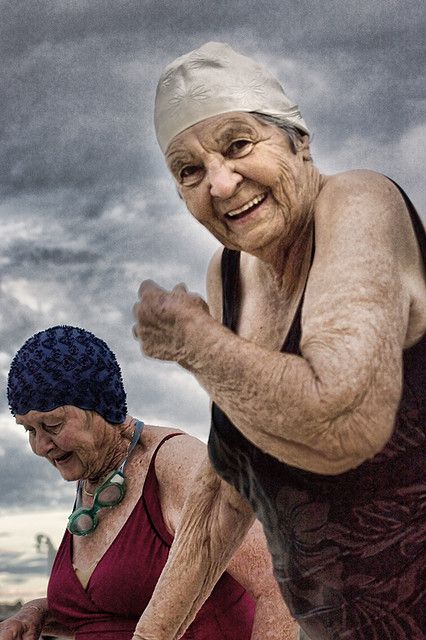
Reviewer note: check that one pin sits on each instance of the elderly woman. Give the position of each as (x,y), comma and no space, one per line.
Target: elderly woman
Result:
(312,350)
(65,389)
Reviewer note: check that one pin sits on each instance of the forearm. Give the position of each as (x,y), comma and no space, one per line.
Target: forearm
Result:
(53,628)
(300,410)
(252,567)
(31,621)
(213,523)
(273,620)
(49,625)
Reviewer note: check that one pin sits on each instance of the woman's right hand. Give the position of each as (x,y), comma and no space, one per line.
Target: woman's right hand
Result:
(25,624)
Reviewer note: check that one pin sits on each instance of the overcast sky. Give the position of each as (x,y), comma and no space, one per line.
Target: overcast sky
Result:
(87,209)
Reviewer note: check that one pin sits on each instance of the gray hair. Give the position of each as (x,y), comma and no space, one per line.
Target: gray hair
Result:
(294,134)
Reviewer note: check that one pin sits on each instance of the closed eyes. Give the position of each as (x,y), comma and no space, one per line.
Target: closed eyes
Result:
(49,428)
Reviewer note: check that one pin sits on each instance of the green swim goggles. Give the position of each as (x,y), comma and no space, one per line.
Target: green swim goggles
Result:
(84,520)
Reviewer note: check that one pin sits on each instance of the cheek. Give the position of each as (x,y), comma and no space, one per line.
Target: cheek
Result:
(199,207)
(285,183)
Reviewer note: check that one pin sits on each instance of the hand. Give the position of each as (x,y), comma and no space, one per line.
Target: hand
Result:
(26,624)
(163,318)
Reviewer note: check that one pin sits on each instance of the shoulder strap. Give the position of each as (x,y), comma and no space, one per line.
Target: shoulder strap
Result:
(418,227)
(151,498)
(231,296)
(230,266)
(160,444)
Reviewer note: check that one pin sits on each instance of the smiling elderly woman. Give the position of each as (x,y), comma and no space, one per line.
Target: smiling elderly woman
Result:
(312,350)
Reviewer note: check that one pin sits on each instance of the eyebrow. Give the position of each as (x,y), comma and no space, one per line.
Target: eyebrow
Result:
(226,132)
(42,418)
(177,159)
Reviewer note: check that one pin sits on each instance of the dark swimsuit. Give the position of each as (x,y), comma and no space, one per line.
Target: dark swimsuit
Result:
(348,550)
(122,583)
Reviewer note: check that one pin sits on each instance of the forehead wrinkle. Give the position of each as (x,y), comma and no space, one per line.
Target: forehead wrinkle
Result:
(231,128)
(39,416)
(234,123)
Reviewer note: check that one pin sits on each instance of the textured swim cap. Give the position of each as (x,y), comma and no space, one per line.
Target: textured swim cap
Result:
(66,365)
(215,79)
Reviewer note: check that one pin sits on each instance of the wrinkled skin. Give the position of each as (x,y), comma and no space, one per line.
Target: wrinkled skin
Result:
(329,409)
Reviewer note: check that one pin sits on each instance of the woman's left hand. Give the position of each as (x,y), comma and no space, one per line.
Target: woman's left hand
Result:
(162,319)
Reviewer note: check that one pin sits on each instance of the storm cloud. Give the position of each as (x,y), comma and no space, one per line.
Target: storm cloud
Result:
(87,208)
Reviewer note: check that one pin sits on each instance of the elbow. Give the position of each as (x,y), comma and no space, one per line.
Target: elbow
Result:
(352,426)
(346,442)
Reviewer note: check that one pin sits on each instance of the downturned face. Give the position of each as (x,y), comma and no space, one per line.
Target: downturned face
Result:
(240,178)
(67,437)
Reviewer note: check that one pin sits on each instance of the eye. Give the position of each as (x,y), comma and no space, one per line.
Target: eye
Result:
(191,174)
(51,428)
(239,148)
(29,430)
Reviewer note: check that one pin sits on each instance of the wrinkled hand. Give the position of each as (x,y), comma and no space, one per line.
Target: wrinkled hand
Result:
(26,624)
(163,319)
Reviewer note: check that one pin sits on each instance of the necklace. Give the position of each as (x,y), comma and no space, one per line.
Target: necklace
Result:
(87,493)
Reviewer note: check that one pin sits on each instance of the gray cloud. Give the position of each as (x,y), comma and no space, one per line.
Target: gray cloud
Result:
(87,209)
(28,481)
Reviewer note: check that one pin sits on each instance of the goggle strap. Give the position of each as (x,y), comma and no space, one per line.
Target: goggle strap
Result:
(138,430)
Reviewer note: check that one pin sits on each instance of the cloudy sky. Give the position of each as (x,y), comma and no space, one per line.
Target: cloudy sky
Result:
(87,208)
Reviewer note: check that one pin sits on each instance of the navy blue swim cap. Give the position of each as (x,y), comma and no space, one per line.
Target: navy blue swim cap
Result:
(66,365)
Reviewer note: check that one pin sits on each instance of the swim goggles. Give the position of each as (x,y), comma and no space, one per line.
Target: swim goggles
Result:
(84,520)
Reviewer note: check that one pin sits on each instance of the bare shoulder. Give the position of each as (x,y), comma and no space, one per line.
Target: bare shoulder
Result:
(359,182)
(176,465)
(366,251)
(365,205)
(182,453)
(214,285)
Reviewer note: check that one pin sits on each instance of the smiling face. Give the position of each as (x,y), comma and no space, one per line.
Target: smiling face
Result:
(242,180)
(67,437)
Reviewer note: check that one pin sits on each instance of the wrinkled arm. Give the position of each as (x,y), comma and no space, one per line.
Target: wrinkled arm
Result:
(30,621)
(213,523)
(251,566)
(333,406)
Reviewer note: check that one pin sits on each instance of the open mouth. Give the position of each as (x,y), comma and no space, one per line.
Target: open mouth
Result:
(247,208)
(62,459)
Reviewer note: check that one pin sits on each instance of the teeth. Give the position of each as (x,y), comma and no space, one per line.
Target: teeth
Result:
(246,206)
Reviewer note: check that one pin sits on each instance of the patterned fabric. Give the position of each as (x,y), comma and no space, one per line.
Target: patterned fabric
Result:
(215,79)
(124,579)
(348,550)
(66,365)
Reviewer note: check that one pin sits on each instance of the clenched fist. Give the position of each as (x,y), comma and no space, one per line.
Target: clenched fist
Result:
(167,322)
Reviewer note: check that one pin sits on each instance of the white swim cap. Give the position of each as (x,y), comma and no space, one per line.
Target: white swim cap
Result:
(215,79)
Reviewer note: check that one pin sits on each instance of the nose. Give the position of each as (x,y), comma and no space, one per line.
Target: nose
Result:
(42,443)
(223,179)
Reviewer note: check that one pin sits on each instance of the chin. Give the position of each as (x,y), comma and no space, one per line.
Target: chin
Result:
(69,475)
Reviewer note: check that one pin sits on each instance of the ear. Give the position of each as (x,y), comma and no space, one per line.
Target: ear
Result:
(303,148)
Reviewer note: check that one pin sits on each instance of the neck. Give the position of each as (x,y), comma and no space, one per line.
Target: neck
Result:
(115,445)
(289,264)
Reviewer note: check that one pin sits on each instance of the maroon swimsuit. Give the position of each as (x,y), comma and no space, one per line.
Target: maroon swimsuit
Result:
(348,550)
(122,583)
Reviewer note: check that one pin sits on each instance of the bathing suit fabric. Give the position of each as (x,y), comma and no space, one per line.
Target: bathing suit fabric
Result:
(122,583)
(348,550)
